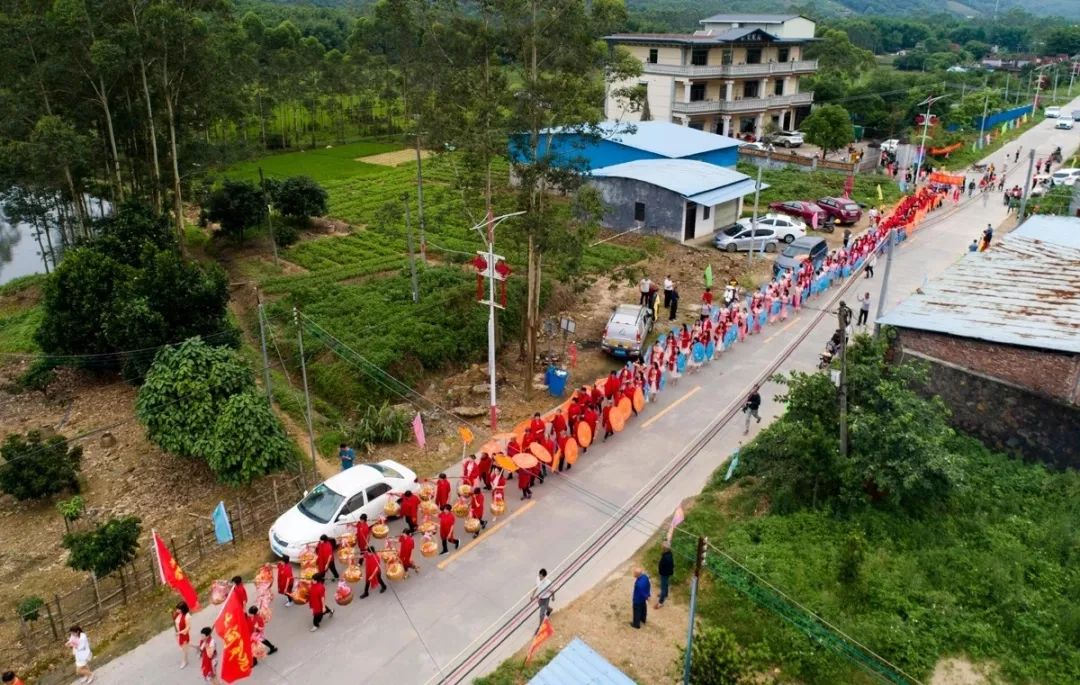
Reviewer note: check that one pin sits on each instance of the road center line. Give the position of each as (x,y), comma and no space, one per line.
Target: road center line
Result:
(670,407)
(484,536)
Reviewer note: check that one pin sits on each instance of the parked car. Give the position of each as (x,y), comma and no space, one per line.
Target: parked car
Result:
(891,145)
(787,138)
(756,145)
(1042,184)
(626,330)
(788,228)
(741,235)
(1052,112)
(1076,115)
(1064,124)
(813,247)
(802,209)
(1066,176)
(845,211)
(334,506)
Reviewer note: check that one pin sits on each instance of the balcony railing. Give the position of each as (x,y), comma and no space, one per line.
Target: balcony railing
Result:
(743,105)
(805,66)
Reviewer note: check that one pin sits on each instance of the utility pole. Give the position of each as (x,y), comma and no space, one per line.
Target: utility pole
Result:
(926,129)
(307,395)
(982,123)
(699,561)
(269,223)
(412,256)
(753,222)
(1006,98)
(420,197)
(844,317)
(265,358)
(1056,72)
(1027,185)
(890,244)
(1072,76)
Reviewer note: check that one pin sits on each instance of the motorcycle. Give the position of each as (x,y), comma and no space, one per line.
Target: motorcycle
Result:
(824,360)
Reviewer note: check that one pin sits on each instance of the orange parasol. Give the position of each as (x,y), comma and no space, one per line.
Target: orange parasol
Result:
(570,448)
(584,434)
(639,399)
(525,460)
(540,452)
(505,462)
(492,447)
(519,430)
(624,408)
(618,422)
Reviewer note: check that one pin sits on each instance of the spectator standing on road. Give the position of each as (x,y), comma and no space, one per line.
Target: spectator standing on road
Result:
(751,406)
(974,246)
(317,601)
(642,592)
(644,286)
(80,648)
(346,454)
(871,262)
(543,596)
(669,285)
(207,656)
(666,569)
(182,625)
(987,236)
(864,309)
(673,299)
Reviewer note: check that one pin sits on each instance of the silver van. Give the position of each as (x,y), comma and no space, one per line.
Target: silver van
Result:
(810,246)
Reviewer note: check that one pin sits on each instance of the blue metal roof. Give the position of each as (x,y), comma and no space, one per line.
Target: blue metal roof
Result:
(578,664)
(687,177)
(1063,230)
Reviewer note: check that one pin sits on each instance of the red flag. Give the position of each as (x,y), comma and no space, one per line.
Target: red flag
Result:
(542,635)
(172,575)
(233,627)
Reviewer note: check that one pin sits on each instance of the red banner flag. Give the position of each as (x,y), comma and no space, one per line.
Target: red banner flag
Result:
(172,575)
(542,635)
(233,627)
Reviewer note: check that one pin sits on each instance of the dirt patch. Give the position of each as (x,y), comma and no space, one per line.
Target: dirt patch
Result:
(393,158)
(324,225)
(958,671)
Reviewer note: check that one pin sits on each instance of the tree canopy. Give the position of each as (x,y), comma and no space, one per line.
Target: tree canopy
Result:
(829,127)
(34,466)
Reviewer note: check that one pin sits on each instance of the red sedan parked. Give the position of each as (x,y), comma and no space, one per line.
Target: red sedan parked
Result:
(845,211)
(802,209)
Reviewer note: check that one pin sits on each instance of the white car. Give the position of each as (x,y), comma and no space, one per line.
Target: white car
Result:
(787,138)
(626,330)
(1052,112)
(1064,124)
(334,506)
(1066,177)
(1041,185)
(891,145)
(787,228)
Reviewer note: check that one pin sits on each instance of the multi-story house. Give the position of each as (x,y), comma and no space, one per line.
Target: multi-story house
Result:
(735,76)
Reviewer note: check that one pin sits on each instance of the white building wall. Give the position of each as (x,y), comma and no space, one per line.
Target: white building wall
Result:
(659,94)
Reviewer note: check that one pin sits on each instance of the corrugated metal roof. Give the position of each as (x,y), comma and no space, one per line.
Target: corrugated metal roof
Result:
(715,197)
(687,177)
(749,18)
(1063,230)
(1022,291)
(578,664)
(665,138)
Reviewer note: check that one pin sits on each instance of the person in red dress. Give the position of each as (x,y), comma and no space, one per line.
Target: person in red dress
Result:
(476,509)
(406,545)
(410,508)
(317,601)
(558,424)
(208,656)
(238,588)
(525,483)
(512,448)
(484,468)
(257,624)
(182,624)
(372,572)
(498,486)
(470,470)
(608,430)
(537,426)
(596,396)
(447,520)
(611,384)
(285,579)
(442,491)
(324,556)
(363,532)
(589,416)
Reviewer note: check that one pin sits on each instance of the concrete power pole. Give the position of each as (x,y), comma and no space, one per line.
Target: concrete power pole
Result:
(307,395)
(844,318)
(890,245)
(699,561)
(1027,185)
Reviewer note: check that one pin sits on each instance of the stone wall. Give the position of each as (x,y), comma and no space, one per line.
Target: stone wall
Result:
(664,210)
(1005,416)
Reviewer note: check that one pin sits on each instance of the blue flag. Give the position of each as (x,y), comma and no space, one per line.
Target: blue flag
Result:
(222,527)
(732,465)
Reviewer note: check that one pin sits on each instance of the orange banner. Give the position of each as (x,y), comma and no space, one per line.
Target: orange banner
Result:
(948,179)
(542,635)
(936,151)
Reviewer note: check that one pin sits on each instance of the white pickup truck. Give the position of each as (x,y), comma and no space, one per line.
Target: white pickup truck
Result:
(787,138)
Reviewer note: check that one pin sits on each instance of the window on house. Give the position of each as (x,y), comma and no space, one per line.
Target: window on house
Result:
(706,211)
(697,92)
(750,89)
(783,54)
(753,55)
(697,125)
(639,211)
(778,87)
(654,55)
(725,56)
(699,57)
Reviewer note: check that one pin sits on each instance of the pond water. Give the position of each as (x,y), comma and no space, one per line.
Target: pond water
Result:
(20,254)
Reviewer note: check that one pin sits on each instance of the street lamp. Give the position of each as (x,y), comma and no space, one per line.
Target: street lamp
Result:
(926,127)
(489,239)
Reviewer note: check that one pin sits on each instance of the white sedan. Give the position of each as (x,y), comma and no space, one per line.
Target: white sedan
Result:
(334,506)
(1064,124)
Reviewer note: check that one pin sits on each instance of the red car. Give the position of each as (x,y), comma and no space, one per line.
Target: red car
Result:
(803,209)
(845,211)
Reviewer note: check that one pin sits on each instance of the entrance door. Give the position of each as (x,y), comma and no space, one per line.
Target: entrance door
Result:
(691,220)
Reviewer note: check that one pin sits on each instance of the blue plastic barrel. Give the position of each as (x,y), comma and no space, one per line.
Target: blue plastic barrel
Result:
(556,380)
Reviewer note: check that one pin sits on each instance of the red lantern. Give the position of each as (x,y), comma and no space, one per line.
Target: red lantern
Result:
(480,264)
(503,271)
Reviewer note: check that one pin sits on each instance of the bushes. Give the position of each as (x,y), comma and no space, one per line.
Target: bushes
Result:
(715,657)
(299,197)
(236,205)
(36,467)
(379,425)
(30,608)
(106,548)
(200,401)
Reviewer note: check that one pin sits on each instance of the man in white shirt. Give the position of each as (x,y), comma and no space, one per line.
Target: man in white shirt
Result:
(644,287)
(543,595)
(669,285)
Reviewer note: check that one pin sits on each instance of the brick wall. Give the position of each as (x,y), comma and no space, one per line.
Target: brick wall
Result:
(1055,375)
(1005,417)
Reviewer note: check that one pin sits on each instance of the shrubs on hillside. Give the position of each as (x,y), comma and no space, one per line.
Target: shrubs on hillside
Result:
(34,467)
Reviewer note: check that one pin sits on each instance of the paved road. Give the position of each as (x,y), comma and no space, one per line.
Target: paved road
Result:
(424,626)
